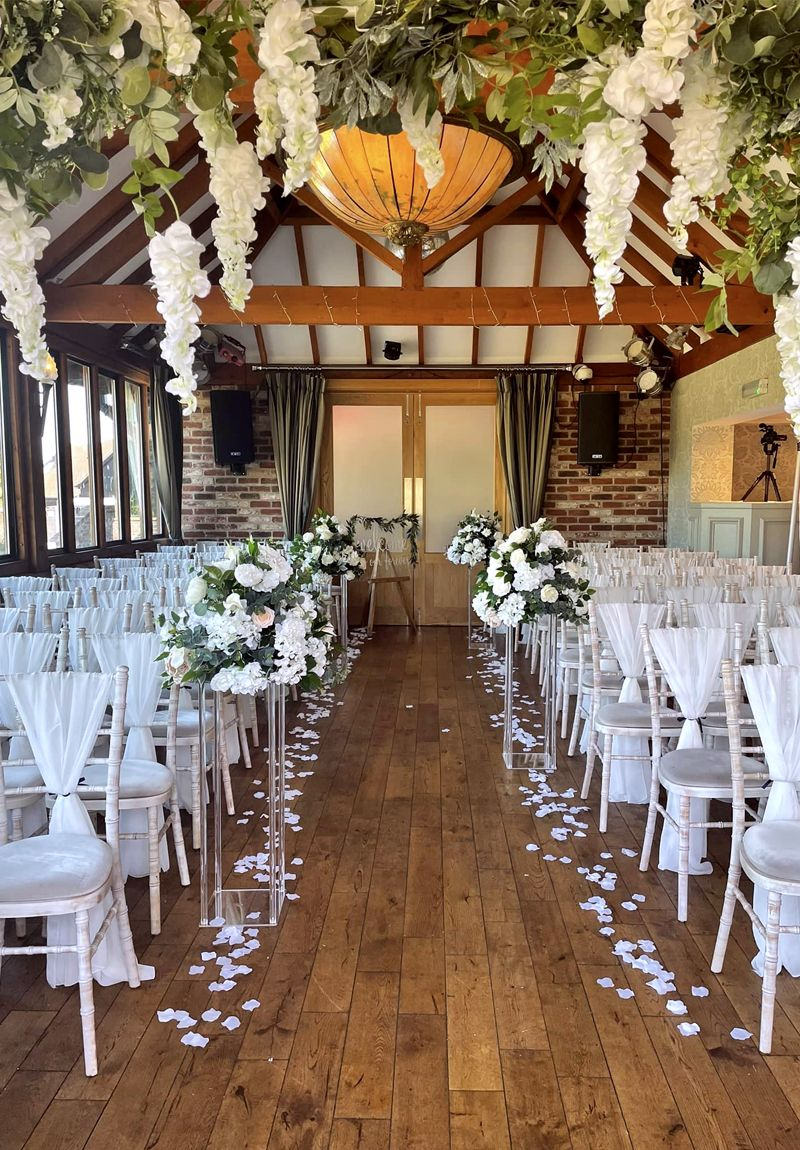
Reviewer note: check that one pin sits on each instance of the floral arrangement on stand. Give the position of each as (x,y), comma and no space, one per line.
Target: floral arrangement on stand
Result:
(475,536)
(247,623)
(530,573)
(327,549)
(573,80)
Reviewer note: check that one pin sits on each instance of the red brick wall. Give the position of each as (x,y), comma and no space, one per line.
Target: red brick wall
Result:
(624,503)
(216,503)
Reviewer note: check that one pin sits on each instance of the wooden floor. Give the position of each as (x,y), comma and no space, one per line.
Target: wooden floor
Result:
(435,984)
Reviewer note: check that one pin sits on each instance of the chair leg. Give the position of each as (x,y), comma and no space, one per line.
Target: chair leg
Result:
(86,991)
(125,935)
(726,918)
(576,725)
(177,837)
(683,857)
(2,936)
(16,836)
(565,702)
(154,859)
(225,771)
(534,648)
(243,743)
(197,800)
(590,757)
(605,785)
(652,815)
(770,972)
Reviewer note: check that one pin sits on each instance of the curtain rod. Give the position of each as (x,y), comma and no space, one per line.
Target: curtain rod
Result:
(466,368)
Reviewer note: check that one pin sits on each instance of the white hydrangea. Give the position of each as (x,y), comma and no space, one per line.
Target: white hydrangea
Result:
(706,137)
(611,160)
(22,242)
(669,27)
(512,610)
(178,279)
(248,680)
(166,28)
(58,106)
(424,134)
(787,329)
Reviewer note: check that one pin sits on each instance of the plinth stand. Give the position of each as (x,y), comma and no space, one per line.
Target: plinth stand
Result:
(542,756)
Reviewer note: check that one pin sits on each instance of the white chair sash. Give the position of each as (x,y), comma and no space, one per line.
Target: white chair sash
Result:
(774,694)
(630,770)
(94,621)
(772,595)
(786,645)
(698,593)
(22,655)
(690,658)
(10,619)
(728,615)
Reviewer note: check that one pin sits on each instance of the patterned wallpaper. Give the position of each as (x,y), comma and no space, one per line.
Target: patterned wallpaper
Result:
(711,462)
(715,393)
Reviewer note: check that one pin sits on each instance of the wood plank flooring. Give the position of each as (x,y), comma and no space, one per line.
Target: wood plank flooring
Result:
(434,986)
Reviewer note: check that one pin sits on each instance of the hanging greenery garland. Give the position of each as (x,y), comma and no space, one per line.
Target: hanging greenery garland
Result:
(408,522)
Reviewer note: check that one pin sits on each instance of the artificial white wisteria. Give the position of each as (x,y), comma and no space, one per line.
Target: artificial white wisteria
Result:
(284,94)
(424,134)
(704,142)
(179,281)
(166,28)
(787,328)
(475,536)
(22,242)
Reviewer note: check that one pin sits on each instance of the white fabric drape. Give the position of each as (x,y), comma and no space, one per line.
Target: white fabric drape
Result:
(771,595)
(786,645)
(791,615)
(10,619)
(698,593)
(94,621)
(23,655)
(62,714)
(690,657)
(774,694)
(120,599)
(630,779)
(138,653)
(728,615)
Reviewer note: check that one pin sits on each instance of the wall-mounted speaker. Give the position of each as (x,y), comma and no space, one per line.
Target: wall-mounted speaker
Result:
(232,424)
(598,429)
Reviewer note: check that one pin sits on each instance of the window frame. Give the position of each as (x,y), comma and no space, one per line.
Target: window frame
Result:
(9,488)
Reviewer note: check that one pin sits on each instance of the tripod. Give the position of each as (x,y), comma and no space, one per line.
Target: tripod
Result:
(767,476)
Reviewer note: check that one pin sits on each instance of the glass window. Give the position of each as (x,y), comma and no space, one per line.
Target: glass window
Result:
(106,389)
(50,464)
(81,456)
(155,506)
(133,418)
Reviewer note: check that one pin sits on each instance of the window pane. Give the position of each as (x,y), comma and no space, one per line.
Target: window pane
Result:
(155,506)
(5,501)
(133,416)
(50,468)
(80,448)
(110,456)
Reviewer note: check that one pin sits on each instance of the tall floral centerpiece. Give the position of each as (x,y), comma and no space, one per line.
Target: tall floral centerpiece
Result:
(532,574)
(476,535)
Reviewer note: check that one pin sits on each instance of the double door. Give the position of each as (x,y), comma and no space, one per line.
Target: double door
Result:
(431,451)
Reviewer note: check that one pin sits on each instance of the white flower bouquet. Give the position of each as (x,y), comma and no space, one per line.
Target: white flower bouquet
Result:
(475,537)
(247,623)
(531,573)
(328,549)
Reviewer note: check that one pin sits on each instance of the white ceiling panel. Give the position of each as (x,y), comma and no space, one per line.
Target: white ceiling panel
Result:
(406,336)
(341,344)
(288,344)
(377,274)
(502,344)
(604,344)
(509,254)
(330,257)
(277,262)
(561,264)
(446,345)
(458,271)
(554,344)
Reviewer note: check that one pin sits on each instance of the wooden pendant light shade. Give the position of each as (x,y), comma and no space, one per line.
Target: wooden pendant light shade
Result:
(374,183)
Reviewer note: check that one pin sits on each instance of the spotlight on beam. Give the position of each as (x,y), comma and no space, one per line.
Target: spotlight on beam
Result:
(582,372)
(687,269)
(676,339)
(638,352)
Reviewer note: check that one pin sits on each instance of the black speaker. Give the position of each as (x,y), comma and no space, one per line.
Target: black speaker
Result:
(598,429)
(232,423)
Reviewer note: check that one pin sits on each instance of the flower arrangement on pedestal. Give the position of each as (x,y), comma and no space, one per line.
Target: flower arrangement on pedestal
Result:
(328,548)
(530,573)
(247,623)
(475,537)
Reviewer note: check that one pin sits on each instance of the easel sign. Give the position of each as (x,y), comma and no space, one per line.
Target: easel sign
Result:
(382,553)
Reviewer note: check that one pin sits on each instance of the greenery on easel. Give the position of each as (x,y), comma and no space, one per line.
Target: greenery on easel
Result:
(408,522)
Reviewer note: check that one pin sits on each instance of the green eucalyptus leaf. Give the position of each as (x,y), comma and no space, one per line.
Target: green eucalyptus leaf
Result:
(95,180)
(135,86)
(46,72)
(89,160)
(7,100)
(770,278)
(740,48)
(591,39)
(208,92)
(765,24)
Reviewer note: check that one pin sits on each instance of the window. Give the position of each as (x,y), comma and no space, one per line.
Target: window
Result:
(79,397)
(155,505)
(133,427)
(51,470)
(6,502)
(109,455)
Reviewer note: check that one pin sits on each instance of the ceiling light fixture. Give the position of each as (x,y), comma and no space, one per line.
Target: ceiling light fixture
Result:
(392,350)
(582,372)
(638,352)
(650,381)
(676,339)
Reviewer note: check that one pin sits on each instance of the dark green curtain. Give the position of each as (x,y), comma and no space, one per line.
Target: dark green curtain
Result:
(525,409)
(167,423)
(296,412)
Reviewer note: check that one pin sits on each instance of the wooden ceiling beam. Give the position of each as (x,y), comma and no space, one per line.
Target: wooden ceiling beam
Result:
(303,266)
(458,306)
(476,331)
(479,224)
(362,282)
(568,196)
(718,348)
(262,347)
(535,278)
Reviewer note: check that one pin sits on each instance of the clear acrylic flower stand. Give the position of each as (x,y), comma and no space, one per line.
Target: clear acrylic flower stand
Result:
(472,638)
(234,899)
(344,658)
(539,746)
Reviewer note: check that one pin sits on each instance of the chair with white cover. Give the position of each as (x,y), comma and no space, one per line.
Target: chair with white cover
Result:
(69,875)
(93,621)
(769,851)
(624,725)
(689,659)
(58,603)
(13,583)
(16,619)
(785,642)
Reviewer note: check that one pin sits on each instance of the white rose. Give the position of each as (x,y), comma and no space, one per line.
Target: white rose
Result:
(549,593)
(517,557)
(519,535)
(550,539)
(308,536)
(196,590)
(177,662)
(247,574)
(234,602)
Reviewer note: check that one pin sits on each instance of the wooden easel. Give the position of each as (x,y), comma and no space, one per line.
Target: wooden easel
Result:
(399,580)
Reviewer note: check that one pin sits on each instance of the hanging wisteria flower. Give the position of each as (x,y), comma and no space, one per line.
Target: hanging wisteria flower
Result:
(424,134)
(669,27)
(167,28)
(328,548)
(475,537)
(787,328)
(61,103)
(704,142)
(246,624)
(178,279)
(611,160)
(238,187)
(530,573)
(22,242)
(284,95)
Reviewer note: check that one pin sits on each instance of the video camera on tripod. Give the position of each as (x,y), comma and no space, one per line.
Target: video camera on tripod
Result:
(771,441)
